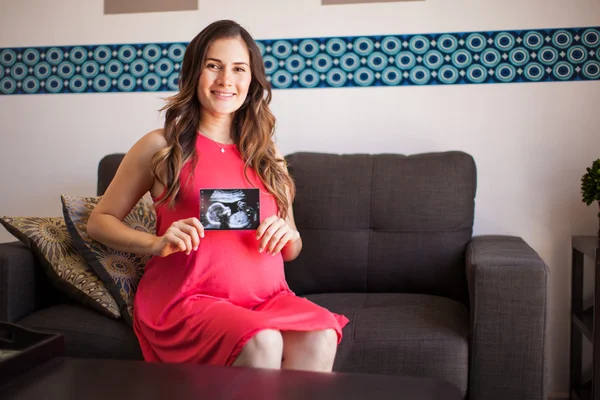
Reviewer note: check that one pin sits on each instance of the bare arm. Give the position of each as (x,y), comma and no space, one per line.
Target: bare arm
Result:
(292,248)
(132,180)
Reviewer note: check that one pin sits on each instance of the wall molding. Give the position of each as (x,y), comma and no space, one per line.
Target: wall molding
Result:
(518,56)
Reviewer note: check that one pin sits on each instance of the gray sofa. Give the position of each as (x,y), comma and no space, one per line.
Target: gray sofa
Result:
(388,242)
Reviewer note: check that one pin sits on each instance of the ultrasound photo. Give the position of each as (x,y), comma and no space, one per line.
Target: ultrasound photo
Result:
(230,209)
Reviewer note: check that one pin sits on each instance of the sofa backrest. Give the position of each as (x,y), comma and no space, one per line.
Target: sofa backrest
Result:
(107,168)
(376,223)
(383,223)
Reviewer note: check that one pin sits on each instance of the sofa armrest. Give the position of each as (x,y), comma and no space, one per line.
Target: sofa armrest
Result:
(508,290)
(19,279)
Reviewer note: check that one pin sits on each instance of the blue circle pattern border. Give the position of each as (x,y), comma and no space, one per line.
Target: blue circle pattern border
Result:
(548,55)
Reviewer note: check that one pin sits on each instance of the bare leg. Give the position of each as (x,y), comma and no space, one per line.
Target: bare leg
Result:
(309,351)
(264,350)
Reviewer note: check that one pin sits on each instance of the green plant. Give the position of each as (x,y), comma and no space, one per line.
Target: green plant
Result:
(590,184)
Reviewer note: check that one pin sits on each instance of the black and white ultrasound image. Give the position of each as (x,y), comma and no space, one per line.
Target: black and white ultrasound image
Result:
(230,209)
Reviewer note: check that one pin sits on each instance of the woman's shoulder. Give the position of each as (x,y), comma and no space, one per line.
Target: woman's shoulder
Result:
(154,140)
(147,146)
(277,151)
(280,158)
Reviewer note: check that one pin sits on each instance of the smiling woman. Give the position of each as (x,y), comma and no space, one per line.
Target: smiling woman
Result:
(217,294)
(224,80)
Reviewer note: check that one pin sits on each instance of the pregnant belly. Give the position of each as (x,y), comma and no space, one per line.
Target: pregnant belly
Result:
(240,274)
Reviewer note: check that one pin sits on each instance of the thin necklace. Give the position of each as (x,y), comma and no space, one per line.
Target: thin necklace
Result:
(219,145)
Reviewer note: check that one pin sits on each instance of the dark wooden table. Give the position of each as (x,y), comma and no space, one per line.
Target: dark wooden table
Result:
(584,320)
(67,379)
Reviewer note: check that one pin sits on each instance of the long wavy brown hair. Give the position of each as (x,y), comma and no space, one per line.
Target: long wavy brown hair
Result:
(252,129)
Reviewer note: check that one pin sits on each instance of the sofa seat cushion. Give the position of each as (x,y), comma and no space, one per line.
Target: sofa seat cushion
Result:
(88,334)
(402,334)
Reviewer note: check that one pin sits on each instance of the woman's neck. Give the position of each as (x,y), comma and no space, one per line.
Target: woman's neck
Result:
(216,127)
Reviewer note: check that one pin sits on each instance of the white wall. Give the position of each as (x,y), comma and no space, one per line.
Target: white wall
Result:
(531,142)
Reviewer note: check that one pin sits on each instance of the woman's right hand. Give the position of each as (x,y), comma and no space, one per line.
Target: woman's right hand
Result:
(182,235)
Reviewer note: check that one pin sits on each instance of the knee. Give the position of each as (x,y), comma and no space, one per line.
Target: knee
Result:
(265,345)
(324,344)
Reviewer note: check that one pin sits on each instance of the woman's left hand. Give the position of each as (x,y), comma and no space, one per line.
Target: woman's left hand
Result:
(274,233)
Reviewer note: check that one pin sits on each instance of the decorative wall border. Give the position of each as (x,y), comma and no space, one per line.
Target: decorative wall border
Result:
(519,56)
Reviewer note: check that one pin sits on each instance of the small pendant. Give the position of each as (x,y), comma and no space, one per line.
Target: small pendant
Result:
(222,150)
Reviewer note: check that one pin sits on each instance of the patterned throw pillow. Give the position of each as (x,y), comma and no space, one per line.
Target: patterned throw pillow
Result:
(52,245)
(120,271)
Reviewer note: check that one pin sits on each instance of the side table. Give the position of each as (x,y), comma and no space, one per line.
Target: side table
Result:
(584,320)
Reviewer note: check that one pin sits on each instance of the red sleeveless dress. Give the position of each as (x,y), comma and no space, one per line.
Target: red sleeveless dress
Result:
(203,307)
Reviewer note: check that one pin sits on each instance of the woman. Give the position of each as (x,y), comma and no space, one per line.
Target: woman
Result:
(216,296)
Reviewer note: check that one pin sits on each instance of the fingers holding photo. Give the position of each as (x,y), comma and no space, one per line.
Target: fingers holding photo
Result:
(183,235)
(266,229)
(289,236)
(274,233)
(193,228)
